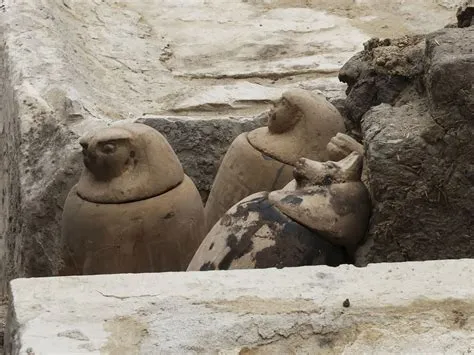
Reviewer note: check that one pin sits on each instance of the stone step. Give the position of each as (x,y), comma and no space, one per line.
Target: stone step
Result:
(413,307)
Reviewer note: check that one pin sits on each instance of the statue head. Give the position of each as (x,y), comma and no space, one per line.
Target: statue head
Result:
(300,124)
(108,153)
(284,115)
(328,197)
(127,162)
(315,173)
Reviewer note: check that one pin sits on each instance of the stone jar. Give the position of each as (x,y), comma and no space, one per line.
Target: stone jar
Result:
(133,209)
(300,124)
(318,218)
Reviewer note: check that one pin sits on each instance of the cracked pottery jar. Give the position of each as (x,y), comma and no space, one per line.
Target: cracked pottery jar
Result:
(316,219)
(300,124)
(133,209)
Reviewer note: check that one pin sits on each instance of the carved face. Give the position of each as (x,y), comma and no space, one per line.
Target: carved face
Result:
(107,158)
(283,116)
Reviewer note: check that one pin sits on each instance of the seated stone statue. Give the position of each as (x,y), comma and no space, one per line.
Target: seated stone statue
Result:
(300,124)
(133,209)
(315,219)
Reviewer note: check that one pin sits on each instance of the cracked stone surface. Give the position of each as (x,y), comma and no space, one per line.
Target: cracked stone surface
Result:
(73,66)
(413,307)
(418,144)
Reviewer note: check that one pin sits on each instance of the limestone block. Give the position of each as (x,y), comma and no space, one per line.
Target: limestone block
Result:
(449,4)
(396,308)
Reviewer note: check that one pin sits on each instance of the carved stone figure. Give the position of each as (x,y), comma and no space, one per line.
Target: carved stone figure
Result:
(300,124)
(318,218)
(133,209)
(341,145)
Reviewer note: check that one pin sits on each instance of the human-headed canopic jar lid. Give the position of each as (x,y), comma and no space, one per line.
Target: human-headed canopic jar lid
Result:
(300,125)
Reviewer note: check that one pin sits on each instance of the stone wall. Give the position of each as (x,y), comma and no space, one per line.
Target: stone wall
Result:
(10,211)
(201,142)
(395,308)
(418,133)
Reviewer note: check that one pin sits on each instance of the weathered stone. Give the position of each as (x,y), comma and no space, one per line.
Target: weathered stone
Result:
(449,78)
(449,4)
(200,142)
(380,73)
(465,14)
(422,201)
(419,152)
(395,308)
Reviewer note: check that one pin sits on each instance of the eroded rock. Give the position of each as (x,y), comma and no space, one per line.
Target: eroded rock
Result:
(420,156)
(449,76)
(380,73)
(200,142)
(270,311)
(465,14)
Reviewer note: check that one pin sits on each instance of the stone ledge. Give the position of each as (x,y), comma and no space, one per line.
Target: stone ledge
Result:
(413,307)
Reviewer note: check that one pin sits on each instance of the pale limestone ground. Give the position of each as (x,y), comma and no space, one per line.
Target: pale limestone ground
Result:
(123,59)
(391,308)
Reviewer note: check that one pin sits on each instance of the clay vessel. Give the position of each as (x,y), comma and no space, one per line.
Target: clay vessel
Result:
(318,218)
(133,209)
(300,124)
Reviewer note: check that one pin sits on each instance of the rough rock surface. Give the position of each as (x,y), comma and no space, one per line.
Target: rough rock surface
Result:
(465,14)
(73,66)
(401,308)
(201,142)
(420,149)
(380,73)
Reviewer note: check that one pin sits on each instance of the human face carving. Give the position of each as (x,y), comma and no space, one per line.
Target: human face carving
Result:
(283,116)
